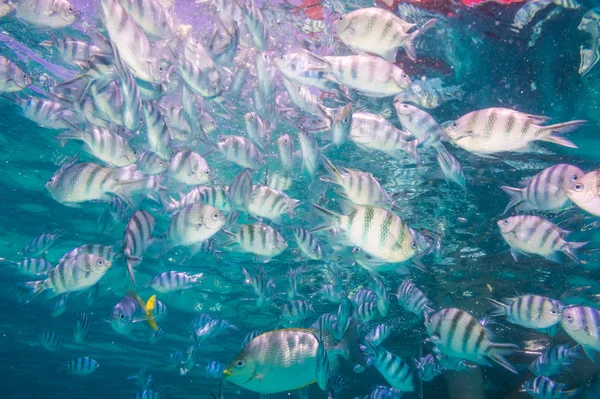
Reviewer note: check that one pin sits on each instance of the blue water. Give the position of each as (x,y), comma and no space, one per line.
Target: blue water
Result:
(494,67)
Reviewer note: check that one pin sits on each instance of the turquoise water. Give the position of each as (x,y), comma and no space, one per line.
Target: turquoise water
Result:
(477,51)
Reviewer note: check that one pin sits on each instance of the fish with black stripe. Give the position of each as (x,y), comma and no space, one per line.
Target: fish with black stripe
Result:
(240,151)
(130,310)
(193,225)
(137,238)
(554,360)
(174,281)
(536,235)
(81,366)
(544,388)
(216,196)
(458,334)
(395,370)
(103,251)
(531,311)
(40,244)
(37,267)
(309,245)
(265,202)
(188,167)
(582,324)
(261,240)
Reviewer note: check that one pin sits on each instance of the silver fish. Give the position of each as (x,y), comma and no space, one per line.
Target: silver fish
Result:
(137,237)
(12,78)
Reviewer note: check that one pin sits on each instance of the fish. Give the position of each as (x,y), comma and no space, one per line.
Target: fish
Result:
(531,311)
(377,31)
(428,368)
(75,274)
(377,231)
(310,151)
(150,163)
(265,202)
(257,130)
(132,309)
(188,167)
(584,192)
(554,360)
(81,366)
(137,238)
(458,334)
(216,196)
(159,138)
(322,368)
(581,324)
(214,369)
(240,189)
(545,191)
(495,130)
(103,251)
(378,334)
(212,329)
(258,239)
(308,244)
(395,370)
(52,14)
(60,306)
(174,281)
(285,147)
(50,340)
(240,151)
(82,328)
(40,244)
(193,225)
(12,78)
(151,16)
(37,267)
(543,387)
(536,235)
(291,351)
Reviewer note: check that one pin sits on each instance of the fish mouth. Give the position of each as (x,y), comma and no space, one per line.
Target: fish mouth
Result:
(227,373)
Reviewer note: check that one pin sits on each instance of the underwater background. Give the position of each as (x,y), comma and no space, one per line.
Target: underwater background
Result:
(476,50)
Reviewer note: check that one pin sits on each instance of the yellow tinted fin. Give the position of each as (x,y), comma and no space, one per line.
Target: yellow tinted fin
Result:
(148,309)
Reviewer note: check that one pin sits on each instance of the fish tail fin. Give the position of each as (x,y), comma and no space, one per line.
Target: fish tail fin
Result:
(148,308)
(497,353)
(515,194)
(332,219)
(69,135)
(349,346)
(411,149)
(450,167)
(124,190)
(500,309)
(4,260)
(334,174)
(38,288)
(131,262)
(556,130)
(196,277)
(409,45)
(570,247)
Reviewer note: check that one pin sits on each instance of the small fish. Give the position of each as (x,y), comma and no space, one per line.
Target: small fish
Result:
(494,130)
(308,244)
(82,328)
(546,191)
(156,336)
(378,334)
(554,360)
(60,306)
(366,312)
(214,370)
(130,93)
(296,311)
(259,239)
(581,324)
(174,359)
(50,340)
(12,78)
(216,196)
(40,244)
(137,238)
(150,393)
(531,311)
(240,151)
(378,31)
(212,329)
(150,163)
(257,130)
(536,235)
(188,167)
(585,193)
(240,189)
(159,138)
(265,202)
(81,366)
(174,281)
(322,369)
(293,352)
(256,26)
(38,267)
(151,16)
(363,295)
(544,388)
(458,334)
(132,309)
(103,251)
(395,370)
(309,148)
(250,336)
(285,150)
(46,13)
(193,225)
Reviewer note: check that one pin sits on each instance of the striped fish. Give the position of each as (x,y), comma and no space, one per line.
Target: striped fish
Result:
(237,81)
(108,102)
(156,336)
(412,299)
(12,78)
(240,151)
(81,366)
(568,4)
(102,251)
(75,182)
(197,54)
(174,281)
(582,324)
(74,274)
(193,225)
(331,293)
(363,295)
(544,388)
(309,149)
(287,155)
(189,167)
(46,113)
(309,245)
(546,191)
(133,45)
(31,267)
(151,16)
(536,235)
(369,75)
(250,336)
(265,76)
(60,306)
(191,103)
(458,334)
(281,181)
(257,130)
(132,102)
(383,301)
(377,231)
(378,31)
(378,334)
(259,239)
(308,102)
(265,202)
(106,146)
(451,168)
(493,130)
(214,370)
(322,369)
(25,290)
(216,196)
(395,370)
(341,125)
(82,328)
(50,340)
(40,244)
(293,275)
(554,360)
(46,13)
(360,187)
(585,192)
(240,189)
(372,132)
(159,138)
(137,238)
(198,81)
(531,311)
(366,311)
(212,329)
(296,67)
(71,49)
(150,163)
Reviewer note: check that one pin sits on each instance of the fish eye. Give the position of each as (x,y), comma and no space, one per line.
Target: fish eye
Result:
(413,245)
(135,152)
(505,221)
(122,316)
(215,216)
(99,262)
(455,125)
(578,187)
(554,312)
(161,163)
(70,9)
(574,178)
(50,181)
(569,317)
(239,363)
(293,66)
(207,172)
